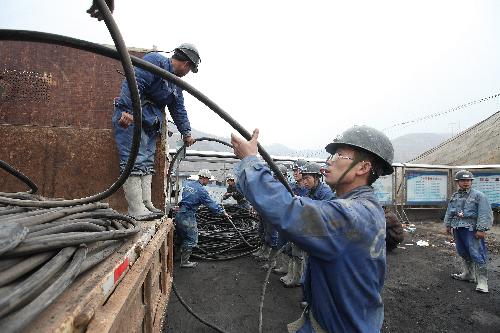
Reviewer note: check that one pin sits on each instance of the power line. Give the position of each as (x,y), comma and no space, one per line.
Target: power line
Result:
(437,114)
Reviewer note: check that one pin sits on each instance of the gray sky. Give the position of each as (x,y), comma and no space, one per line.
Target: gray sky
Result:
(304,71)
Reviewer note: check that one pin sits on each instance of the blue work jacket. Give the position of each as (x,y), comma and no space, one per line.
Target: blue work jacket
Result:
(321,192)
(469,209)
(345,240)
(299,190)
(156,93)
(193,195)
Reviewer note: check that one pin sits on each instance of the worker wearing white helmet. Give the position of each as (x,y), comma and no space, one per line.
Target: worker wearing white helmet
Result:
(194,194)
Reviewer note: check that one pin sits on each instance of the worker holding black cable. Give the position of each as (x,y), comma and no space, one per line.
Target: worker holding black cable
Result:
(156,93)
(232,192)
(193,195)
(344,237)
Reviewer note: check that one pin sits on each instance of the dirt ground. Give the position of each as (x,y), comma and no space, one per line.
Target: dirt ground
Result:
(419,294)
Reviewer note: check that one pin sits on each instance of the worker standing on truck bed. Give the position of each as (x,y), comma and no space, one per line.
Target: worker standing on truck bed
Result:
(344,237)
(469,215)
(156,93)
(193,195)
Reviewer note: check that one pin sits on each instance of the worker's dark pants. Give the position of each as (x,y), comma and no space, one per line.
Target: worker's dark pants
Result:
(187,230)
(470,248)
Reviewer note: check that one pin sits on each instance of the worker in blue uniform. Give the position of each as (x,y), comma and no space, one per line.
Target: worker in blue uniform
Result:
(290,252)
(298,187)
(156,93)
(272,238)
(194,194)
(316,190)
(469,216)
(312,180)
(344,237)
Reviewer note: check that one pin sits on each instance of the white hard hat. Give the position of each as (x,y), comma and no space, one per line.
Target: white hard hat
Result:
(205,173)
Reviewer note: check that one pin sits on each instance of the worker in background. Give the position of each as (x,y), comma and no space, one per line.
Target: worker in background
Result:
(394,232)
(469,216)
(285,265)
(232,192)
(298,187)
(316,190)
(271,240)
(312,181)
(193,195)
(156,93)
(344,237)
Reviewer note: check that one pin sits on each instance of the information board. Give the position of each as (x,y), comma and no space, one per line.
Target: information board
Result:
(426,188)
(489,184)
(383,189)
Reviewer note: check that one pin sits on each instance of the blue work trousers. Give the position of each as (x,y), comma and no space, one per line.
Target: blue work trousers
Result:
(145,161)
(187,230)
(470,248)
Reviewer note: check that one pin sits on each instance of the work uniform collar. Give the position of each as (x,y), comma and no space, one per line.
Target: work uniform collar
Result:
(360,191)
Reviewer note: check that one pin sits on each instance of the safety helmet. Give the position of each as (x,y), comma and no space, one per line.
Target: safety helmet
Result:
(282,168)
(369,139)
(298,164)
(311,168)
(230,177)
(205,173)
(464,174)
(190,51)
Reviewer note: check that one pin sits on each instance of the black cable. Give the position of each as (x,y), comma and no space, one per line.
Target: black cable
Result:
(19,175)
(188,308)
(121,54)
(35,36)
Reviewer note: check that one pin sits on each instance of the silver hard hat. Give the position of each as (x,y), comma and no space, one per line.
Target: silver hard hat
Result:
(190,51)
(369,139)
(464,174)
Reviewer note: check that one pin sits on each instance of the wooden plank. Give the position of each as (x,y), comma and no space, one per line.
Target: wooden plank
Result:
(119,304)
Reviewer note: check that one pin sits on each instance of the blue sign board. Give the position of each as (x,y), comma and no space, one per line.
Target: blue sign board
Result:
(489,184)
(383,189)
(426,188)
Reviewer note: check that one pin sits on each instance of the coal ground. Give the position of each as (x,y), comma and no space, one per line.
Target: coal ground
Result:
(419,294)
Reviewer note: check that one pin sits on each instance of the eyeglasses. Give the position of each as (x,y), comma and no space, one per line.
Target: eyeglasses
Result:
(337,156)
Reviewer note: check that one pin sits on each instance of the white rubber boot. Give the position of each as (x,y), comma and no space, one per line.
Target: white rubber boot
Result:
(468,273)
(281,264)
(146,194)
(482,278)
(297,273)
(133,195)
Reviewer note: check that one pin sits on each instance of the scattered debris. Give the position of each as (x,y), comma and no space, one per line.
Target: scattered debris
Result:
(422,243)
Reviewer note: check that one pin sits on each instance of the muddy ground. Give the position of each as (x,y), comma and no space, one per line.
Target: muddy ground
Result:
(419,294)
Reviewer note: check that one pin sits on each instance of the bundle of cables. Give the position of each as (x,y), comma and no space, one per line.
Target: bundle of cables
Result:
(43,250)
(220,238)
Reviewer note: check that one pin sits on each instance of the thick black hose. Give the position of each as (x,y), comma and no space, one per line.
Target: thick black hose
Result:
(28,288)
(16,321)
(188,308)
(24,266)
(56,241)
(35,36)
(122,55)
(19,175)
